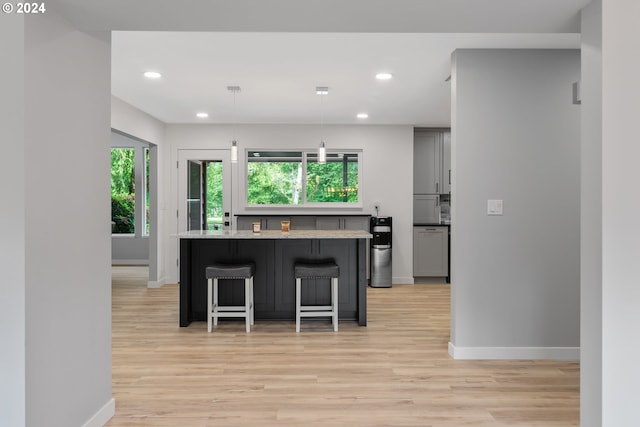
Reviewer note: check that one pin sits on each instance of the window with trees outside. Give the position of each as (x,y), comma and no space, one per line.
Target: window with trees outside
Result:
(213,195)
(296,178)
(123,191)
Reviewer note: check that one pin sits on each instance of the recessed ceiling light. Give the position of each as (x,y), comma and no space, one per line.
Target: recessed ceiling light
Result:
(362,115)
(202,115)
(152,74)
(322,90)
(383,76)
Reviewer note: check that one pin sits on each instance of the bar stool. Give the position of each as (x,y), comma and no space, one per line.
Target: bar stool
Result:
(327,270)
(230,271)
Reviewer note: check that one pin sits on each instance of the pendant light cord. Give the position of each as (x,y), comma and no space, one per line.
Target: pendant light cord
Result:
(235,113)
(322,118)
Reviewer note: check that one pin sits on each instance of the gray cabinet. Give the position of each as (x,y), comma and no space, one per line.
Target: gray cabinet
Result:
(430,251)
(432,162)
(446,163)
(427,162)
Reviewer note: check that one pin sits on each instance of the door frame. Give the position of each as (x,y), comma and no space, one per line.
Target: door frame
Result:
(185,155)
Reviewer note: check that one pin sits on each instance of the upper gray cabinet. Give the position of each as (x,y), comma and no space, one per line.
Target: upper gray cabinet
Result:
(431,161)
(426,162)
(446,163)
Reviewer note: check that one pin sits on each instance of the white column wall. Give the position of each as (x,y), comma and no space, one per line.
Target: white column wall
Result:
(67,222)
(387,175)
(591,219)
(12,223)
(620,213)
(516,137)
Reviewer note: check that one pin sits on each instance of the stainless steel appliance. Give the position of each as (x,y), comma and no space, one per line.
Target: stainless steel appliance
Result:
(381,251)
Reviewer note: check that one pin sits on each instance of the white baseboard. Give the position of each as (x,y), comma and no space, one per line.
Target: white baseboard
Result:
(129,262)
(514,353)
(102,417)
(156,283)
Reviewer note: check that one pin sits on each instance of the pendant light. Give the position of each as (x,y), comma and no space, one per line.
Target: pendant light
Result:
(322,154)
(234,151)
(234,143)
(322,151)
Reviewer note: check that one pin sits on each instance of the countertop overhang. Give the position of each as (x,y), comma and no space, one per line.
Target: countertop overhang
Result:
(275,234)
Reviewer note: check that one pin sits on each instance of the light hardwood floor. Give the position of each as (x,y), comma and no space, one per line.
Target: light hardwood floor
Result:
(394,372)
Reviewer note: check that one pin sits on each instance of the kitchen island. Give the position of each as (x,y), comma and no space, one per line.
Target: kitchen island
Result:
(274,253)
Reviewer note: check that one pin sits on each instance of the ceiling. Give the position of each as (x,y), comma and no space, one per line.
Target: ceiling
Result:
(279,51)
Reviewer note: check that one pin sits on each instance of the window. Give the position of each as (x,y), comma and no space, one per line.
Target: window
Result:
(213,194)
(130,189)
(147,159)
(295,178)
(334,181)
(274,178)
(123,190)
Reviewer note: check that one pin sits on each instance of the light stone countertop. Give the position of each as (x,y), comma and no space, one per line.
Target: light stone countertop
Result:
(276,234)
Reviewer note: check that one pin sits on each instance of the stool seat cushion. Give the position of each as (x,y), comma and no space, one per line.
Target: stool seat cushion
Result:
(311,271)
(230,271)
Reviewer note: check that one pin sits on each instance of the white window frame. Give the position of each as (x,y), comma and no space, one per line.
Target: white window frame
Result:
(140,182)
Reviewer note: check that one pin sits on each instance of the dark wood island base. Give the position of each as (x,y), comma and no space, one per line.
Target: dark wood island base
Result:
(275,254)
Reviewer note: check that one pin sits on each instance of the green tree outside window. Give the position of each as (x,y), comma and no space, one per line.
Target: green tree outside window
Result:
(122,190)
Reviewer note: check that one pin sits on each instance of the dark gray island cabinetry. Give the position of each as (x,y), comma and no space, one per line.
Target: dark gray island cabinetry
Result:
(274,253)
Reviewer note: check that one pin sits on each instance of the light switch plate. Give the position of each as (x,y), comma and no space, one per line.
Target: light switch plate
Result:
(494,207)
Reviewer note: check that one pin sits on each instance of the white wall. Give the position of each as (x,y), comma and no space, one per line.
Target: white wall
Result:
(591,219)
(620,212)
(67,221)
(516,137)
(131,121)
(128,119)
(129,250)
(12,223)
(387,175)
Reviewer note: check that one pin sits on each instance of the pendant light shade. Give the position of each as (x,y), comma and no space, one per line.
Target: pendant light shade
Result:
(322,154)
(234,151)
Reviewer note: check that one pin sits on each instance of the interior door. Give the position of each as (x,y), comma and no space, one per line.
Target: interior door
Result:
(204,190)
